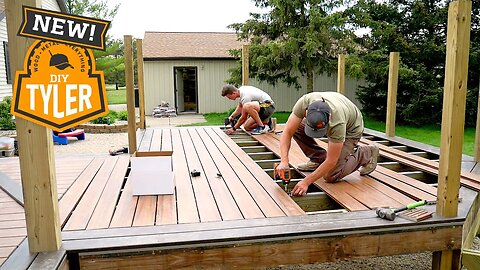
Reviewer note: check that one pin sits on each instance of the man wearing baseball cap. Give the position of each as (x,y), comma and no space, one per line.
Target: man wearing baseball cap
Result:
(333,115)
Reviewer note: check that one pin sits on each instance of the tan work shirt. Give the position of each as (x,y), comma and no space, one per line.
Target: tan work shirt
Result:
(346,120)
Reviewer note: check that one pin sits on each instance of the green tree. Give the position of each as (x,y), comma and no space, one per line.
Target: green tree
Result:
(295,38)
(112,62)
(416,29)
(92,8)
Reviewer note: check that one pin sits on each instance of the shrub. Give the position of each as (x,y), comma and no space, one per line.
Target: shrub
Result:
(122,115)
(6,120)
(107,119)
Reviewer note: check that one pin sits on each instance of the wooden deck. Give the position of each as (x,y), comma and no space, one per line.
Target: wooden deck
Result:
(232,196)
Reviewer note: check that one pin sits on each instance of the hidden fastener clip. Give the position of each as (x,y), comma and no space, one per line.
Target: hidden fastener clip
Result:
(195,173)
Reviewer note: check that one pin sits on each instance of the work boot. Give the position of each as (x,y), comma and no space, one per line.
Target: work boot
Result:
(372,163)
(309,166)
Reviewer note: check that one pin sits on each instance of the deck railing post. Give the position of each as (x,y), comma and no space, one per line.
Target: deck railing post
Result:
(37,163)
(341,74)
(453,118)
(392,93)
(132,125)
(141,85)
(245,64)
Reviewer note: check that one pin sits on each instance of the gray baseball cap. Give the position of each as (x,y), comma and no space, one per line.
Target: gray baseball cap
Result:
(318,115)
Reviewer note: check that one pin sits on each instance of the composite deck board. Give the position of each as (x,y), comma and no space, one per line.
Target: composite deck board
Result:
(207,205)
(146,140)
(102,215)
(125,210)
(467,179)
(266,204)
(187,210)
(82,214)
(355,192)
(245,202)
(228,207)
(275,192)
(166,204)
(297,157)
(72,196)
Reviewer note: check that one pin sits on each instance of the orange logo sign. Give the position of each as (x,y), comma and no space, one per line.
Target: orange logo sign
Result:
(59,87)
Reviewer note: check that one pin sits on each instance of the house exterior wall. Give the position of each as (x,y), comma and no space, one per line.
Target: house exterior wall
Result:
(6,88)
(159,86)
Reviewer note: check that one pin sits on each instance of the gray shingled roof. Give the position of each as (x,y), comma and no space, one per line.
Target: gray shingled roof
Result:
(182,45)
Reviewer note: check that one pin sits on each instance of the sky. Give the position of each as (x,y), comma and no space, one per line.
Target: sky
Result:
(134,17)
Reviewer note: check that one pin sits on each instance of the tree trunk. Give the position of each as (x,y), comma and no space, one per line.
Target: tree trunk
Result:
(310,80)
(116,86)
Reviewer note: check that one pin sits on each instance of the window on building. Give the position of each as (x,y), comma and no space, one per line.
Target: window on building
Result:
(7,62)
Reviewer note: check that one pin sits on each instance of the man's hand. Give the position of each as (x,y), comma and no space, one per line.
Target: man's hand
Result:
(300,188)
(229,131)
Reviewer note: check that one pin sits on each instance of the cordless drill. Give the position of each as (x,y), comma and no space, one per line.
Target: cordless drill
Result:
(229,121)
(282,173)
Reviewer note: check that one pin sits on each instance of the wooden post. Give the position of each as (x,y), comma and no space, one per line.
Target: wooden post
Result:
(477,131)
(453,118)
(140,79)
(341,74)
(132,125)
(37,163)
(392,93)
(245,64)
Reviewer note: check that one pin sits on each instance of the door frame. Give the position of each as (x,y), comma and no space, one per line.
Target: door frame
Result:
(175,97)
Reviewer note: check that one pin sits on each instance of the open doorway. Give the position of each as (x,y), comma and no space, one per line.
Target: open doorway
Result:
(186,90)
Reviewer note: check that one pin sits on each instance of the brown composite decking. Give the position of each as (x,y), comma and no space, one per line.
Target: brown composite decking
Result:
(96,194)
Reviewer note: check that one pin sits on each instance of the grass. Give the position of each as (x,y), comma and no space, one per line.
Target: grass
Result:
(425,134)
(116,96)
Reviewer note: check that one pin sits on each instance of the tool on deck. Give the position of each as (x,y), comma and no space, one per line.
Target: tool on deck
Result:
(390,214)
(195,173)
(118,151)
(282,173)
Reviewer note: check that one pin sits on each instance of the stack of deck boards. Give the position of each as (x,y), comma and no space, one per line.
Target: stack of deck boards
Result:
(151,175)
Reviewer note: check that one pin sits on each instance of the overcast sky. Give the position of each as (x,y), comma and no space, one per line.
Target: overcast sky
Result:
(134,17)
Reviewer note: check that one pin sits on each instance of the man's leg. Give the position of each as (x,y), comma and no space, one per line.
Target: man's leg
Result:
(309,146)
(252,109)
(351,158)
(249,124)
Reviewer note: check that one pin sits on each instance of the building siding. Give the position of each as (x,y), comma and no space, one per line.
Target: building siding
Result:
(5,88)
(159,86)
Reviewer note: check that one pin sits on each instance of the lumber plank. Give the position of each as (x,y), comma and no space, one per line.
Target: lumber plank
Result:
(187,210)
(225,203)
(207,206)
(146,140)
(156,143)
(84,210)
(166,204)
(248,206)
(70,199)
(297,157)
(278,195)
(467,179)
(245,173)
(125,210)
(146,211)
(105,207)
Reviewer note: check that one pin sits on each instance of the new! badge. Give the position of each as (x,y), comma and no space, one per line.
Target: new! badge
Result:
(59,87)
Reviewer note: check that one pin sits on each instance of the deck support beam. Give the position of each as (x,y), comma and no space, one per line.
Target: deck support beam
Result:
(453,119)
(140,81)
(245,64)
(37,162)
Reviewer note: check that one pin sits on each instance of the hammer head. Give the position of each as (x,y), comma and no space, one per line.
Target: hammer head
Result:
(386,213)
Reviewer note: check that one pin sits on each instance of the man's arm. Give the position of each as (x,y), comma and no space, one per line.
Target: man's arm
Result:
(333,153)
(291,127)
(238,110)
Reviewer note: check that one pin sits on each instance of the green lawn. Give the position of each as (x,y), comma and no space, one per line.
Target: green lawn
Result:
(425,134)
(116,96)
